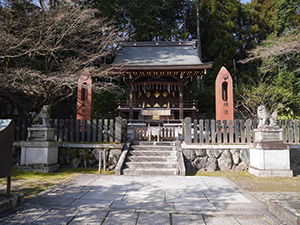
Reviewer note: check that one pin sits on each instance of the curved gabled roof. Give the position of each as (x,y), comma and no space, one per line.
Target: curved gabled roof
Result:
(164,55)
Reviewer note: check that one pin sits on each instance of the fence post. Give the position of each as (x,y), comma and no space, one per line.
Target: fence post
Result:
(72,129)
(201,132)
(94,130)
(248,130)
(77,127)
(83,130)
(231,132)
(195,131)
(111,130)
(60,127)
(237,132)
(88,129)
(55,124)
(100,130)
(225,133)
(105,139)
(213,131)
(219,134)
(290,131)
(187,130)
(243,131)
(296,131)
(118,129)
(66,130)
(207,131)
(283,125)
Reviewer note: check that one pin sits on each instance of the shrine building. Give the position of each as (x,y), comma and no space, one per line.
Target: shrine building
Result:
(157,75)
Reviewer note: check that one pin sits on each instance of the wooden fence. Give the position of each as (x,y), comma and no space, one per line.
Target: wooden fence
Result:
(70,130)
(197,131)
(232,131)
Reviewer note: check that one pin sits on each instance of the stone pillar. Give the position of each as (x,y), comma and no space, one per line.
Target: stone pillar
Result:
(187,130)
(85,97)
(224,95)
(269,156)
(118,130)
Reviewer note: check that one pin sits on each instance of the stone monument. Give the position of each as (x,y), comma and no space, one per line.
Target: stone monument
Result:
(269,156)
(40,151)
(85,97)
(224,95)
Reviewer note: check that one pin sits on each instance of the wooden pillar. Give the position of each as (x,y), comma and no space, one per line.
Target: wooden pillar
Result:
(130,101)
(181,101)
(8,187)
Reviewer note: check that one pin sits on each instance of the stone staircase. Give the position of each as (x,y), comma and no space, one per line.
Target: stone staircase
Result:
(151,158)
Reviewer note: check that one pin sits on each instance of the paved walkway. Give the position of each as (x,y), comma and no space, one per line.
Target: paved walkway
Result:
(93,199)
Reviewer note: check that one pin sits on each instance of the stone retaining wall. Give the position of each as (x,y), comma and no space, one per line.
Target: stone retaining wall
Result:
(87,158)
(79,157)
(215,159)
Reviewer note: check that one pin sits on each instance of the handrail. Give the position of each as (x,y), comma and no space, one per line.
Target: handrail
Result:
(119,166)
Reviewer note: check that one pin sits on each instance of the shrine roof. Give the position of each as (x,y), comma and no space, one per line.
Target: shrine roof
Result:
(159,55)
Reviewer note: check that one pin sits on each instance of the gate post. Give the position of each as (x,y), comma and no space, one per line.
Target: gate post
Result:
(187,124)
(118,130)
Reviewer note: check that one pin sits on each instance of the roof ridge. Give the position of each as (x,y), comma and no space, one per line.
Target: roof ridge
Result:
(158,43)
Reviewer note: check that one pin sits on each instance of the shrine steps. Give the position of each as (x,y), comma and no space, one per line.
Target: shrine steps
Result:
(151,159)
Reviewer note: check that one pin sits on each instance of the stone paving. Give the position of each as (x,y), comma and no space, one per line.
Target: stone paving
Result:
(94,199)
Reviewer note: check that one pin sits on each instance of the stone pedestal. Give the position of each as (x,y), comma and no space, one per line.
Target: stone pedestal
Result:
(40,152)
(269,156)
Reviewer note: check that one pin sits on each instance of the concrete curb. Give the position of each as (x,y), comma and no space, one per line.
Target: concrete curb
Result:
(260,206)
(12,202)
(286,210)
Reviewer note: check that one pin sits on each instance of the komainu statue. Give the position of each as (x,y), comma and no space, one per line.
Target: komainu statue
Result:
(43,117)
(265,118)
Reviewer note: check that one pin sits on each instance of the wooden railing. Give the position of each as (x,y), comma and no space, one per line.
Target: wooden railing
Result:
(186,104)
(70,130)
(197,131)
(232,131)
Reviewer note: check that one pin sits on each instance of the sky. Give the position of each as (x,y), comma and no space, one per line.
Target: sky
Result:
(245,1)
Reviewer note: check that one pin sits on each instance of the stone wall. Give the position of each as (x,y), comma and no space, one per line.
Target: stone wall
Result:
(87,158)
(78,157)
(214,159)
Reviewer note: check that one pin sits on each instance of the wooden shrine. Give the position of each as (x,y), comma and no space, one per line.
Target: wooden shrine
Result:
(157,75)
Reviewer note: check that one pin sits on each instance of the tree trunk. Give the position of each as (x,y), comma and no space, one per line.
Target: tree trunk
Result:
(198,29)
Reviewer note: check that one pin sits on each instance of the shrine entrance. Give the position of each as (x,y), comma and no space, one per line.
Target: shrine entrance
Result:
(157,75)
(154,133)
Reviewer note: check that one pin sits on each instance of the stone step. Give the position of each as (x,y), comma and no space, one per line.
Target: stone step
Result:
(150,172)
(148,165)
(154,143)
(135,158)
(153,148)
(152,153)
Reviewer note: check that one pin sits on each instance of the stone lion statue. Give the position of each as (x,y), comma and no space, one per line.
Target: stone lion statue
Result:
(265,118)
(43,117)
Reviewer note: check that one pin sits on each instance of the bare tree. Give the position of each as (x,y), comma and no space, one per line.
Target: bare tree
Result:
(43,53)
(277,85)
